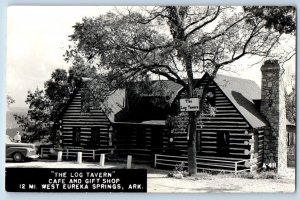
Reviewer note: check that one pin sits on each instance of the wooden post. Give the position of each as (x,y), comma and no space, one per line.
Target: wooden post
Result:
(79,157)
(235,167)
(102,160)
(59,156)
(129,160)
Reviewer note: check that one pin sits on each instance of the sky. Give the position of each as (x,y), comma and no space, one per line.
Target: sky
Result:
(37,38)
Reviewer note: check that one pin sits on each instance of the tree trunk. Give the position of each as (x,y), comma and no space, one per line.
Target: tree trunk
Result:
(192,152)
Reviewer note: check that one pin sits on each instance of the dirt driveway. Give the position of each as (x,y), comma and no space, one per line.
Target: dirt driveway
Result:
(159,182)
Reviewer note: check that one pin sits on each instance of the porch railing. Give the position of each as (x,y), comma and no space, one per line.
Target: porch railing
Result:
(209,163)
(72,152)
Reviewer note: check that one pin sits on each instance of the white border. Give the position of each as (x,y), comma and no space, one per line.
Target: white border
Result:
(165,196)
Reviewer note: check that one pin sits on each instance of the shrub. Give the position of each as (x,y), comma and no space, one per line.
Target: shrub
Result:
(202,176)
(268,175)
(179,167)
(249,175)
(179,171)
(261,175)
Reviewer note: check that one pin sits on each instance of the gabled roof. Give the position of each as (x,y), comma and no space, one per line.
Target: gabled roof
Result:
(242,93)
(116,104)
(125,105)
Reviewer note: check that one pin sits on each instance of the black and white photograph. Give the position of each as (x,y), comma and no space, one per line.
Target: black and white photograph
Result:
(157,99)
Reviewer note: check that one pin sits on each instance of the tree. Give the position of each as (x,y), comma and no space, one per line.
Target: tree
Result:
(9,100)
(174,42)
(46,104)
(37,119)
(290,101)
(281,19)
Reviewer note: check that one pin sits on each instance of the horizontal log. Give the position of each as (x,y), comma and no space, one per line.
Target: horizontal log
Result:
(80,115)
(223,126)
(223,114)
(90,119)
(237,139)
(221,129)
(208,142)
(224,122)
(208,137)
(226,111)
(208,147)
(222,101)
(83,125)
(224,104)
(222,118)
(212,152)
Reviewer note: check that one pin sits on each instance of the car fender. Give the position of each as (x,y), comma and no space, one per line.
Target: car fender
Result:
(11,150)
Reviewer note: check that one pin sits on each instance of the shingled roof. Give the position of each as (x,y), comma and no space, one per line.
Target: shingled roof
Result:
(241,92)
(124,105)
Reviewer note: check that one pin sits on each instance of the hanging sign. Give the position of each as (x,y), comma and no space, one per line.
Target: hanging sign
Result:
(191,104)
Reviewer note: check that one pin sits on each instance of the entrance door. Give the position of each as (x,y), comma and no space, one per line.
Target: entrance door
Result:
(156,139)
(223,143)
(95,137)
(76,136)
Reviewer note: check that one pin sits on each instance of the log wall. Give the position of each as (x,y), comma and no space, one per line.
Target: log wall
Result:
(75,117)
(226,119)
(139,140)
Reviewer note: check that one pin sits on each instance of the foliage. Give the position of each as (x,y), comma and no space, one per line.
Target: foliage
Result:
(202,176)
(248,175)
(268,175)
(279,18)
(179,171)
(36,123)
(260,175)
(46,104)
(290,101)
(9,100)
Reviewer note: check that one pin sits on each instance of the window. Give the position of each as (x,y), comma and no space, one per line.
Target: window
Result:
(223,143)
(76,136)
(256,142)
(156,139)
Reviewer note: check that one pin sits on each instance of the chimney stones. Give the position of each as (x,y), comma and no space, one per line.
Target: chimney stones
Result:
(273,109)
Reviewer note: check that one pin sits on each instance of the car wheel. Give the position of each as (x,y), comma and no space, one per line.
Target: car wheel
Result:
(18,157)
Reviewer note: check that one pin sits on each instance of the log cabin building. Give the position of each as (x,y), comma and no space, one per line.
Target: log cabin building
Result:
(245,132)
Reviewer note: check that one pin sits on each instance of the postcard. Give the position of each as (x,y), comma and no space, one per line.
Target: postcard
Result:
(168,99)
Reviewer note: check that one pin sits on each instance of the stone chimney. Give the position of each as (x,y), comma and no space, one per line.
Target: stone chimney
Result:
(273,109)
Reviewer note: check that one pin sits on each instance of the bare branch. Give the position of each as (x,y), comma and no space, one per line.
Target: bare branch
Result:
(204,24)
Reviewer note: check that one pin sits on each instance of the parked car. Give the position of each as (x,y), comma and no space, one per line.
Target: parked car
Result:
(20,151)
